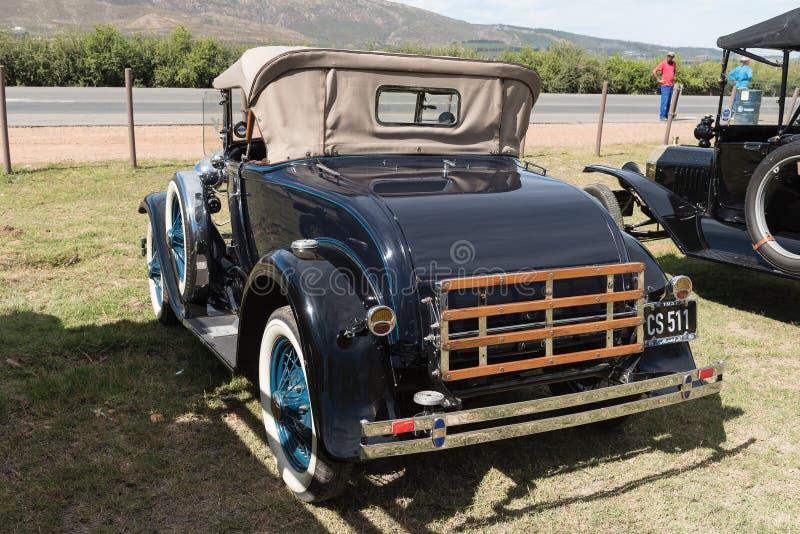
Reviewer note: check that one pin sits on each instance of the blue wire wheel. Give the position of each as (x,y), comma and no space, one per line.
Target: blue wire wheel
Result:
(176,239)
(155,281)
(176,234)
(290,394)
(154,275)
(288,415)
(180,241)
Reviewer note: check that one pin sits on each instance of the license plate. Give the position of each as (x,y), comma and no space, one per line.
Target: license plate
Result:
(670,322)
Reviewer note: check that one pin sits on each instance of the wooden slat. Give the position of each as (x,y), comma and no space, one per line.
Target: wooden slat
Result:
(548,317)
(537,305)
(610,310)
(539,333)
(444,360)
(482,351)
(640,308)
(537,363)
(539,276)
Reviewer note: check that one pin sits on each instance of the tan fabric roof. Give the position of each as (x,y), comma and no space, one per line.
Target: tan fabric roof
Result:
(259,66)
(311,102)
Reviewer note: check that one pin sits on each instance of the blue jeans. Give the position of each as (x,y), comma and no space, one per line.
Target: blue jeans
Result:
(666,97)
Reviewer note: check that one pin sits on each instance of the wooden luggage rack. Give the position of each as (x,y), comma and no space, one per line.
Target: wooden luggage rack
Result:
(548,331)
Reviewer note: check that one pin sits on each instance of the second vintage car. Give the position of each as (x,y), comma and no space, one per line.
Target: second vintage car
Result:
(392,270)
(737,202)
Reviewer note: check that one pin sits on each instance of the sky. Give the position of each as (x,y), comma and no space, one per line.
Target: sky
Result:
(672,24)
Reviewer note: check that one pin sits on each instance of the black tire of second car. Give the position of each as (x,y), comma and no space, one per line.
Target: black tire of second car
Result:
(755,208)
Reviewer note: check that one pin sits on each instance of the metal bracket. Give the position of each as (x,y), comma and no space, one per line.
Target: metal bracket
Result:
(529,164)
(434,338)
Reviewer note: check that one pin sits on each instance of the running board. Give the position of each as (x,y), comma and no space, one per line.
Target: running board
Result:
(219,333)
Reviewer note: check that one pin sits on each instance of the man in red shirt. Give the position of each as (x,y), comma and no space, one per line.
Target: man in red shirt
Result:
(665,74)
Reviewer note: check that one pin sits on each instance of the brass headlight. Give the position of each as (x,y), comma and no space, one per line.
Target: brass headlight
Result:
(380,320)
(679,287)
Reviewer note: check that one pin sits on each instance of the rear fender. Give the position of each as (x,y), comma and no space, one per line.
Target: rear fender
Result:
(678,217)
(654,277)
(666,359)
(350,379)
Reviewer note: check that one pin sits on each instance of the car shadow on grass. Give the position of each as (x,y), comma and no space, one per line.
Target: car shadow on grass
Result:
(421,490)
(768,295)
(152,431)
(129,426)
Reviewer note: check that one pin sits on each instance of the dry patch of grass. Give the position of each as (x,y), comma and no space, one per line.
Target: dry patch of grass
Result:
(109,421)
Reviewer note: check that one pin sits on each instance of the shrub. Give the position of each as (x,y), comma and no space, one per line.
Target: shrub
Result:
(99,58)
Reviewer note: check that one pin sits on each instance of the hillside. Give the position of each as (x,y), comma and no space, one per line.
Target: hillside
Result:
(346,23)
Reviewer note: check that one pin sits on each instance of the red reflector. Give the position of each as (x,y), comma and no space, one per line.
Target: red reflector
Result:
(708,372)
(401,427)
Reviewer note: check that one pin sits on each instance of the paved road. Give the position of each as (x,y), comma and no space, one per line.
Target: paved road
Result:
(78,106)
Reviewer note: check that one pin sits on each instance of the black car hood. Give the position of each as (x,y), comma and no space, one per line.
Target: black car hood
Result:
(504,222)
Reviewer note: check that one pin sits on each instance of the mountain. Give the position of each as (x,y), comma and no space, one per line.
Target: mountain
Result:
(344,23)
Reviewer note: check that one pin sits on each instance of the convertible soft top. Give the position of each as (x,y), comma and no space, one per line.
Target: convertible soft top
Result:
(311,102)
(780,33)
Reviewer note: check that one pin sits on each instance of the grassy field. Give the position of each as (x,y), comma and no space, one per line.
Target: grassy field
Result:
(109,421)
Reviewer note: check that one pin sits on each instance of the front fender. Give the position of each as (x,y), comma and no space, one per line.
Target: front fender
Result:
(678,217)
(350,380)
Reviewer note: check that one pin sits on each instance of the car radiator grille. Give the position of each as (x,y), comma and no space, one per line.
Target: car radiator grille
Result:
(504,323)
(688,181)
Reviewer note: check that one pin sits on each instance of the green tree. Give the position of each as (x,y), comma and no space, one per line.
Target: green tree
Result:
(629,76)
(106,53)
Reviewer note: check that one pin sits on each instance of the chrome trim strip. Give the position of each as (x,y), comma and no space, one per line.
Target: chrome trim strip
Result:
(489,413)
(534,427)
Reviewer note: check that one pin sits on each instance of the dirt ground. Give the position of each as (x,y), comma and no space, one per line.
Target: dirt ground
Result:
(98,143)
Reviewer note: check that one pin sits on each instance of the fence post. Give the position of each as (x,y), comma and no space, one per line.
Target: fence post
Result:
(129,100)
(673,103)
(4,121)
(601,118)
(791,107)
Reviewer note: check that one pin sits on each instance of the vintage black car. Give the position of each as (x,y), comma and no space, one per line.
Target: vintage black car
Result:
(737,202)
(392,272)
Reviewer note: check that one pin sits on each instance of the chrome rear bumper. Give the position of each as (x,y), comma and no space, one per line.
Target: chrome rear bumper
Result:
(436,428)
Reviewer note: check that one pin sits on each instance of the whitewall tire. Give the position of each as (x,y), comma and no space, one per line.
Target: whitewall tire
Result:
(288,416)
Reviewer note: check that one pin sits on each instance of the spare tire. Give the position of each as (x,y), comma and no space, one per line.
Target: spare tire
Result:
(768,172)
(189,267)
(608,200)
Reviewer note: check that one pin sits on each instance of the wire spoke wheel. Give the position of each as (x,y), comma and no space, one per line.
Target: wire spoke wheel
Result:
(182,240)
(291,393)
(286,406)
(176,241)
(155,281)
